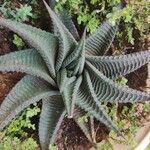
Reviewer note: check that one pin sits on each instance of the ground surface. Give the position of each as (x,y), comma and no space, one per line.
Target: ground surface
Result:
(7,80)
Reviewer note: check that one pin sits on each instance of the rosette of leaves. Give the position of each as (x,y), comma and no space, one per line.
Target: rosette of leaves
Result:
(67,74)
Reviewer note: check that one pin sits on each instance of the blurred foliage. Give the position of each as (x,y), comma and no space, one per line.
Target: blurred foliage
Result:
(16,135)
(21,13)
(122,81)
(148,147)
(17,126)
(105,146)
(147,107)
(127,121)
(135,15)
(15,143)
(84,118)
(91,13)
(51,147)
(18,41)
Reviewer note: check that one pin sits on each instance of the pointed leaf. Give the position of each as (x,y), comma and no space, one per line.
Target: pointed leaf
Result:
(66,40)
(67,21)
(66,95)
(64,81)
(92,105)
(51,118)
(28,61)
(44,42)
(107,90)
(70,95)
(68,87)
(100,41)
(74,93)
(27,91)
(115,66)
(77,57)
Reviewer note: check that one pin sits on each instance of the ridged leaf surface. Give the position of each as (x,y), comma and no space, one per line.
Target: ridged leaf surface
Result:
(84,79)
(109,91)
(76,60)
(44,42)
(100,41)
(51,118)
(27,91)
(66,40)
(68,89)
(28,61)
(115,66)
(66,19)
(89,102)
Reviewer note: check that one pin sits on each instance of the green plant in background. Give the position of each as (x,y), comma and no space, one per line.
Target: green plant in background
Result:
(148,147)
(134,15)
(85,16)
(90,14)
(18,41)
(122,81)
(23,121)
(83,119)
(90,20)
(147,107)
(105,146)
(68,76)
(51,147)
(14,137)
(126,120)
(23,13)
(15,143)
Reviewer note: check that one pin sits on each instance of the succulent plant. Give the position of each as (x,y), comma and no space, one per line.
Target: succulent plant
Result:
(67,74)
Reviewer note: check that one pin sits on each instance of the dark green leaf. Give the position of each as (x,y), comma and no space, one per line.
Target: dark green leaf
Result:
(109,91)
(28,61)
(115,66)
(44,42)
(99,42)
(51,118)
(27,91)
(89,102)
(66,40)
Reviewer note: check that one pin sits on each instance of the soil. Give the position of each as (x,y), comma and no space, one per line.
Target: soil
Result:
(7,80)
(70,136)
